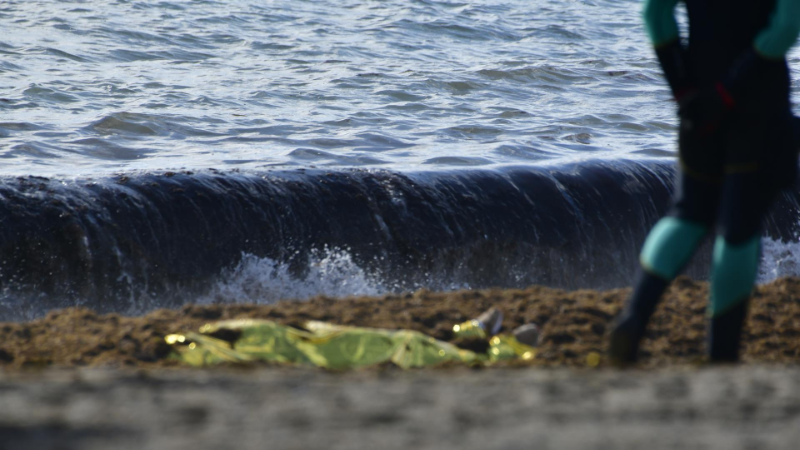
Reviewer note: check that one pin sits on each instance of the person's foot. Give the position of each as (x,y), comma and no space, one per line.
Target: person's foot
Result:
(623,347)
(629,327)
(724,334)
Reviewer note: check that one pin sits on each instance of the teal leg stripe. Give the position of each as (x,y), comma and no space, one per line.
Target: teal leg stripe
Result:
(733,273)
(669,246)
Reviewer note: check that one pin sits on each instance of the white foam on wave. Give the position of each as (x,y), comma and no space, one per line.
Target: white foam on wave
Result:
(330,272)
(778,259)
(333,273)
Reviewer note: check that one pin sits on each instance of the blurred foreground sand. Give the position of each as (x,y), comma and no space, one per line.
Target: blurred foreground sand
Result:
(79,380)
(745,407)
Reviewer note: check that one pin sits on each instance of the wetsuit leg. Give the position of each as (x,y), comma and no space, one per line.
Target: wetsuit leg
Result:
(761,160)
(746,197)
(668,248)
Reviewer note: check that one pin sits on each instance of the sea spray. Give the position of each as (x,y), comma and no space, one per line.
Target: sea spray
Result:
(330,272)
(778,259)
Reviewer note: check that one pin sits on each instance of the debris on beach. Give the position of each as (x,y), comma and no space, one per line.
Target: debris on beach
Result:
(337,347)
(570,326)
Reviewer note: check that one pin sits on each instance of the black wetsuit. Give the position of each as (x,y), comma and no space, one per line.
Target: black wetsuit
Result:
(757,134)
(737,150)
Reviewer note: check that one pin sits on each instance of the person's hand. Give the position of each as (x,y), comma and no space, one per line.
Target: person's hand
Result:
(702,111)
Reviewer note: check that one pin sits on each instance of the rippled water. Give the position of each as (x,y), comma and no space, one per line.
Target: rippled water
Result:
(90,87)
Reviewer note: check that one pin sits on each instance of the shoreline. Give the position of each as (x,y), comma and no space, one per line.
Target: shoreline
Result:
(573,324)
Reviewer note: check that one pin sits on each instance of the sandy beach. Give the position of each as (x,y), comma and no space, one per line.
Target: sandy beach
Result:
(747,407)
(79,380)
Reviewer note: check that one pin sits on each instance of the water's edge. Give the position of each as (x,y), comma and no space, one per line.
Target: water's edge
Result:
(160,239)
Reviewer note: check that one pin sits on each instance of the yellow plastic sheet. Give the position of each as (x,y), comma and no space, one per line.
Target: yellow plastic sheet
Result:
(469,329)
(332,346)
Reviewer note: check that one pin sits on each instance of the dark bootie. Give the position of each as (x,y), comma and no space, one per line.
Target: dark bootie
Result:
(628,329)
(725,332)
(626,335)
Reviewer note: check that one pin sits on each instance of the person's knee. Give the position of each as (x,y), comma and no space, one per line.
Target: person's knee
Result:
(734,270)
(670,245)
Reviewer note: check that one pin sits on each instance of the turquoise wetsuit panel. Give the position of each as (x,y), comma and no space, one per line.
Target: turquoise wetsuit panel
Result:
(782,32)
(733,273)
(659,19)
(669,246)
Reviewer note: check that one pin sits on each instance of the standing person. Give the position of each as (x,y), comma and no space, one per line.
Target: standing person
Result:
(737,151)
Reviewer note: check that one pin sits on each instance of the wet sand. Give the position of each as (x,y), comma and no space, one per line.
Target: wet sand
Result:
(75,379)
(573,325)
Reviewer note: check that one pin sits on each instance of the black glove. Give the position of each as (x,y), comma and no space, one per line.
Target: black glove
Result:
(704,110)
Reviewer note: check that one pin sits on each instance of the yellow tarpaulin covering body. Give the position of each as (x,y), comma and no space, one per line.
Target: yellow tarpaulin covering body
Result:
(336,347)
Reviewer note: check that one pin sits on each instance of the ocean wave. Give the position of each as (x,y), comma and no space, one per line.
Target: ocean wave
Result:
(160,239)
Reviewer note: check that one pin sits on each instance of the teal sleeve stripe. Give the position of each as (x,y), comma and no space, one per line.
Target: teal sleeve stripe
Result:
(781,34)
(733,273)
(669,246)
(659,19)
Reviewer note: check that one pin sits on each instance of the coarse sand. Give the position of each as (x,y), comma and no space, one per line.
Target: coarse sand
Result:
(573,325)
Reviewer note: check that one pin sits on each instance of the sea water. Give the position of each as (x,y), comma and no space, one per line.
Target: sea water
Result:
(91,87)
(103,89)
